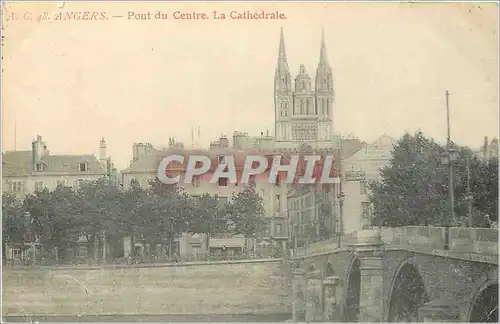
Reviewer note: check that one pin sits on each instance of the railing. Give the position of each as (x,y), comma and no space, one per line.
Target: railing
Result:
(461,239)
(424,238)
(324,246)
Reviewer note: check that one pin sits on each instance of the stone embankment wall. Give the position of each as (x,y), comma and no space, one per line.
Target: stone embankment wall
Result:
(239,287)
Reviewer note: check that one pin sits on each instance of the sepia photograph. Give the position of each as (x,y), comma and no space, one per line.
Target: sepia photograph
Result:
(286,161)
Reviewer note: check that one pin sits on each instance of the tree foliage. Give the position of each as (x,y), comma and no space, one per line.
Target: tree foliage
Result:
(246,212)
(99,210)
(414,186)
(15,222)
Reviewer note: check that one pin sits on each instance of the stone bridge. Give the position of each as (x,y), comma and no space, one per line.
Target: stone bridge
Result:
(400,275)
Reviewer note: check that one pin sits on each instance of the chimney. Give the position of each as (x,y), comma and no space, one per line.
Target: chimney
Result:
(103,154)
(38,149)
(485,147)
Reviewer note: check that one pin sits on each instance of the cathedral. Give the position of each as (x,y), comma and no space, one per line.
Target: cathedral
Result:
(303,114)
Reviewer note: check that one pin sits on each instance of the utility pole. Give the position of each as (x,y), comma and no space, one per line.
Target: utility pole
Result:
(340,194)
(15,135)
(450,164)
(469,195)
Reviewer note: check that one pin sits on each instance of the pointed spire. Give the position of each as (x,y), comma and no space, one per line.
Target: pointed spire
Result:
(282,61)
(323,57)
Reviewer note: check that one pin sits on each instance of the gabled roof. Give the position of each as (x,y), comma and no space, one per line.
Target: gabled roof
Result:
(19,163)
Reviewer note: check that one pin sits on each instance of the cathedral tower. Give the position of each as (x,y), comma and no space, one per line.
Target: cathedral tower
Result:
(283,99)
(303,113)
(324,94)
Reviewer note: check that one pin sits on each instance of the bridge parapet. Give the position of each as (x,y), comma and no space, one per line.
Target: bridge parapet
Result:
(427,238)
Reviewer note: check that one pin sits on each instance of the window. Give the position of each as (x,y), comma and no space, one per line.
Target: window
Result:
(363,189)
(196,181)
(40,167)
(303,85)
(83,167)
(222,159)
(365,209)
(278,229)
(61,183)
(17,186)
(278,204)
(278,180)
(39,186)
(222,182)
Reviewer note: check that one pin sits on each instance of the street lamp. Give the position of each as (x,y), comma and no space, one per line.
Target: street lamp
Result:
(341,198)
(469,196)
(448,158)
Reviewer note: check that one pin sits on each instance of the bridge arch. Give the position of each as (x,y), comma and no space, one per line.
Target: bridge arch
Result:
(407,292)
(352,291)
(484,302)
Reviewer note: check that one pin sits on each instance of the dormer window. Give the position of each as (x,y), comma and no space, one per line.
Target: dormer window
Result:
(83,167)
(222,159)
(222,182)
(40,167)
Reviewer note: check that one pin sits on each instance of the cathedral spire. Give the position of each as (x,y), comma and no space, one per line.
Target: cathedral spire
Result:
(323,57)
(282,61)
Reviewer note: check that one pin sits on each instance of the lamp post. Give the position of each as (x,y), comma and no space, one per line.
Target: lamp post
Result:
(341,198)
(448,158)
(469,197)
(340,194)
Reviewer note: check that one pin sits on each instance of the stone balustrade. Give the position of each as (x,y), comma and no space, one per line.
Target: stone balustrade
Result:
(427,238)
(423,238)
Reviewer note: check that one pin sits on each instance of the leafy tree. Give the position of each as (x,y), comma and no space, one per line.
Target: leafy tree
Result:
(54,217)
(14,221)
(97,208)
(208,217)
(173,211)
(127,224)
(414,186)
(246,212)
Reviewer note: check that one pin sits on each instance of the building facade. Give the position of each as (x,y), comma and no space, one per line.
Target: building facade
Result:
(264,142)
(357,171)
(303,109)
(25,172)
(145,168)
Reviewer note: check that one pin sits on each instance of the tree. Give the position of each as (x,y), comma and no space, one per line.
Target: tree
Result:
(14,221)
(127,224)
(54,217)
(414,186)
(208,217)
(246,212)
(173,211)
(97,207)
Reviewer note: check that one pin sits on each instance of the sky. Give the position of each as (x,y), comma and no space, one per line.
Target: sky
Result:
(126,80)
